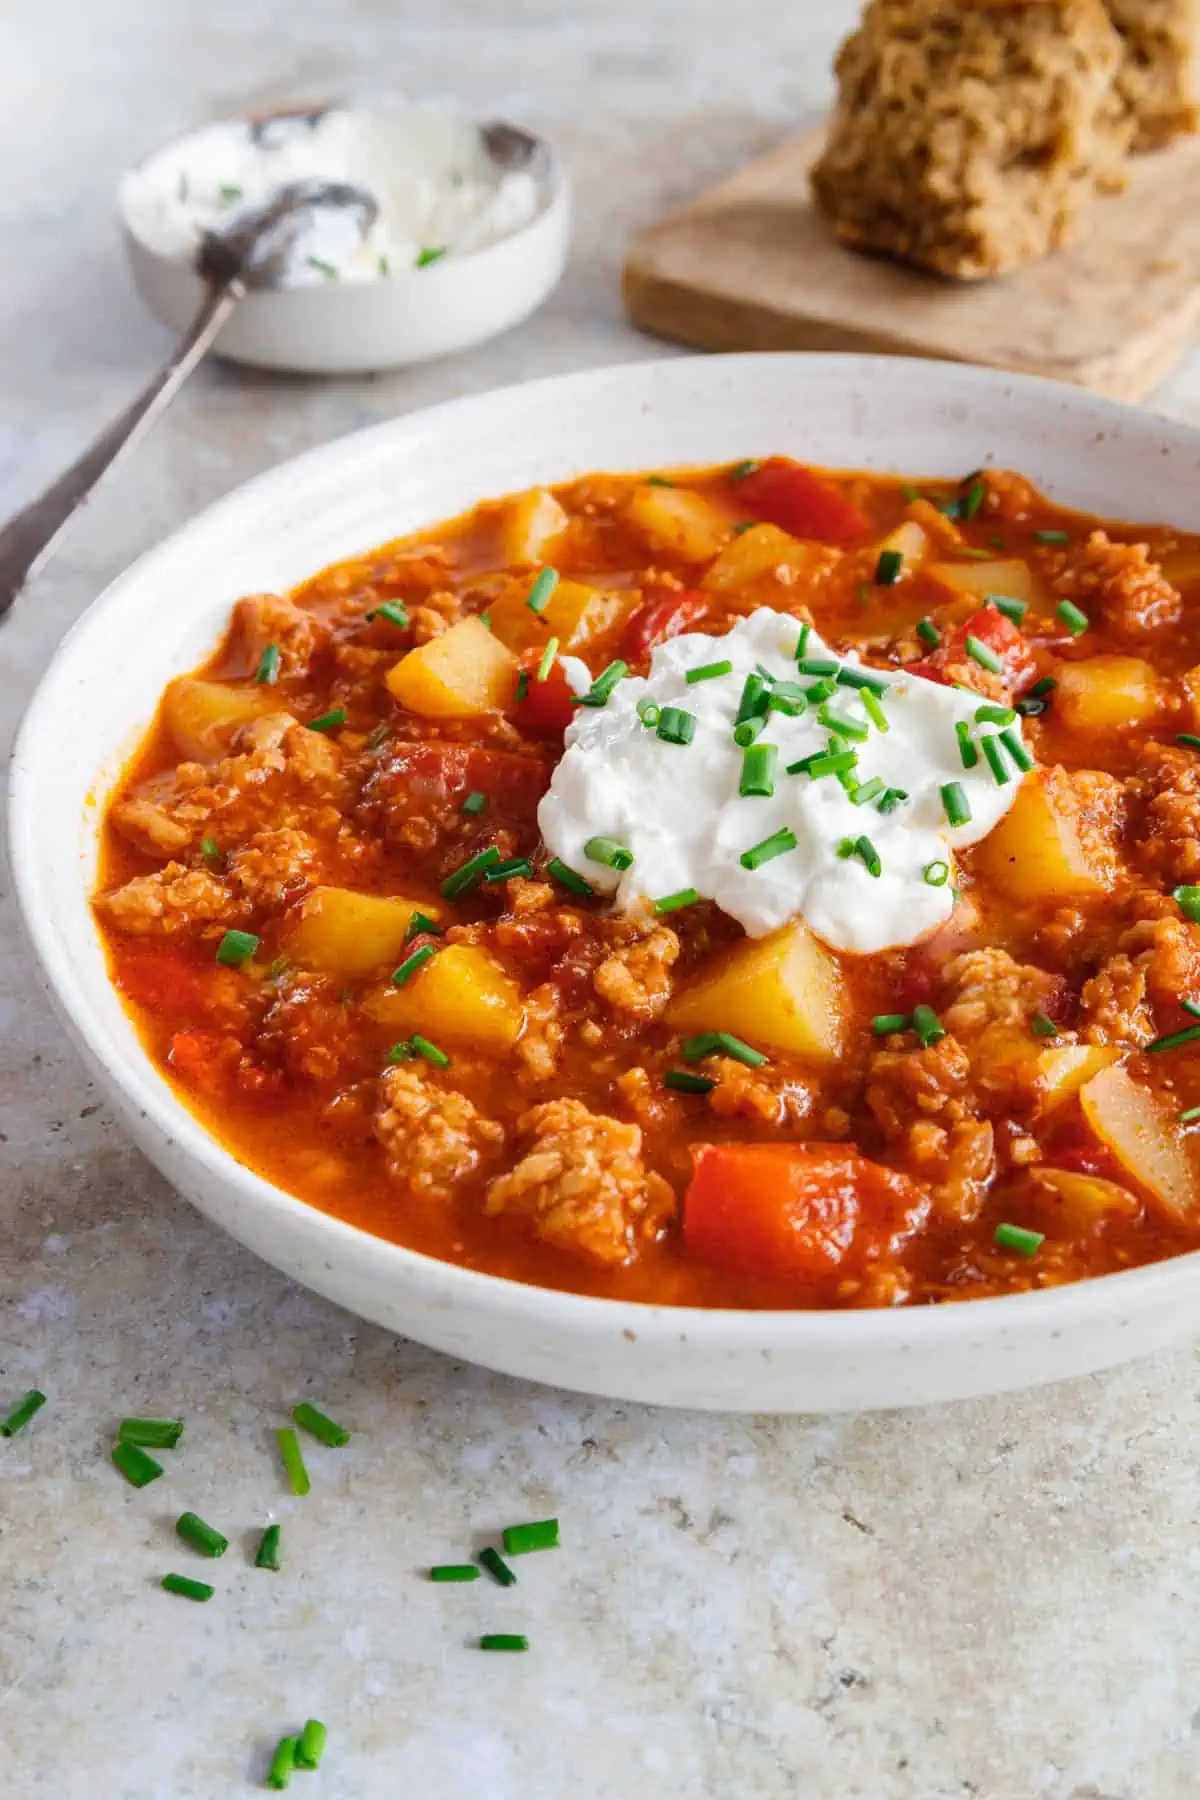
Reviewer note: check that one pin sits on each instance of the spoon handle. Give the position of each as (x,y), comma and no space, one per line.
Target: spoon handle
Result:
(27,536)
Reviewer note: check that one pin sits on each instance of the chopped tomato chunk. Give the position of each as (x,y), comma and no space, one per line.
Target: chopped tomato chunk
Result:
(997,634)
(783,1211)
(545,708)
(657,620)
(788,495)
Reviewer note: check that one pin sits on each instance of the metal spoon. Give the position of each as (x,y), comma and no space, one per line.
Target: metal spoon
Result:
(253,250)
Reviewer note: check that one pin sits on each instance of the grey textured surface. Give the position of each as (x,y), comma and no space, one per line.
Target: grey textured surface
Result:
(999,1600)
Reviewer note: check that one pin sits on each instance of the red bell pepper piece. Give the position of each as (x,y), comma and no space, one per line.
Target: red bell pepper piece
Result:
(547,707)
(657,620)
(788,495)
(996,633)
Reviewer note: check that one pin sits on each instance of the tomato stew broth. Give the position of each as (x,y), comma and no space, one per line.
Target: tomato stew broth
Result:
(875,1179)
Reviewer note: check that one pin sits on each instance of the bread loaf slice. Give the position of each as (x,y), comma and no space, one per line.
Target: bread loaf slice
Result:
(1157,78)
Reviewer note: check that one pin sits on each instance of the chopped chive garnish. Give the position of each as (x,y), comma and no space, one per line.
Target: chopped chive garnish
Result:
(817,665)
(867,791)
(186,1588)
(329,721)
(1042,1025)
(330,270)
(1041,688)
(497,1568)
(1187,737)
(755,700)
(676,902)
(210,850)
(994,715)
(909,492)
(411,964)
(467,875)
(419,924)
(1073,617)
(605,682)
(884,1024)
(863,679)
(873,707)
(802,640)
(995,761)
(522,686)
(454,1572)
(936,874)
(421,1046)
(825,762)
(431,254)
(316,1423)
(138,1469)
(1190,1115)
(609,852)
(568,878)
(547,660)
(283,1763)
(1012,609)
(893,798)
(974,498)
(503,1640)
(150,1434)
(972,550)
(293,1460)
(1052,537)
(392,611)
(708,672)
(758,771)
(928,633)
(740,470)
(1029,709)
(1189,899)
(846,848)
(865,850)
(842,723)
(966,749)
(648,712)
(954,801)
(778,844)
(192,1529)
(658,481)
(675,726)
(983,655)
(1017,1239)
(25,1409)
(268,1555)
(538,597)
(686,1081)
(506,871)
(236,948)
(1175,1040)
(927,1025)
(722,1043)
(887,569)
(311,1747)
(267,672)
(474,803)
(820,691)
(539,1534)
(950,509)
(1017,750)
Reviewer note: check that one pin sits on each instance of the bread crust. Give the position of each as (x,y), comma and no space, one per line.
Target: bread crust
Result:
(1156,81)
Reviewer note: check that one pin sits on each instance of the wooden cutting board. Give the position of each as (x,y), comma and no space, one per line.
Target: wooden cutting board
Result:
(751,266)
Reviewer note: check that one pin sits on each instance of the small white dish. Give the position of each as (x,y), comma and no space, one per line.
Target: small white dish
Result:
(96,700)
(356,325)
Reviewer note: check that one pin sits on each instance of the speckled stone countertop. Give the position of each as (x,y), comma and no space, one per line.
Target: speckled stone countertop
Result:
(998,1601)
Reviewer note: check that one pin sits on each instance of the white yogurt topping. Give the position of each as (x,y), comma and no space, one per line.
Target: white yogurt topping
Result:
(678,809)
(437,189)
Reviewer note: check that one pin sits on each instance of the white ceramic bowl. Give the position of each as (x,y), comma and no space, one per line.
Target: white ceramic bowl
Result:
(356,327)
(863,412)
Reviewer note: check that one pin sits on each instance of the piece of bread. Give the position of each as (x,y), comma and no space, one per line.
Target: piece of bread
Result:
(1158,71)
(969,134)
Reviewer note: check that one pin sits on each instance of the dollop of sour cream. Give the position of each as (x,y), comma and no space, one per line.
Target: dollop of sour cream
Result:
(677,807)
(439,192)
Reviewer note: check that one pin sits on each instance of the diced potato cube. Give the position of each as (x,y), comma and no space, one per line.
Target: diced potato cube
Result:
(1062,1071)
(678,522)
(461,994)
(532,522)
(202,716)
(349,933)
(1009,576)
(574,614)
(1106,693)
(783,992)
(756,554)
(1036,851)
(464,672)
(1135,1127)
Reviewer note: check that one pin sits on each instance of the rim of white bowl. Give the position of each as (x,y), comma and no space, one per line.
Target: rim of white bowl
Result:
(554,191)
(144,1092)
